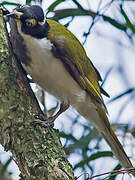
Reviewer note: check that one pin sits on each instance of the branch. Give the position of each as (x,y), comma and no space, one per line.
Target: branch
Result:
(63,13)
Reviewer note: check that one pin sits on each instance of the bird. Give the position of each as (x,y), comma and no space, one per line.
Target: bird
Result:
(57,61)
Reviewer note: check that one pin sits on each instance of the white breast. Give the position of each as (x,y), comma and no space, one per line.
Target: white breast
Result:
(50,73)
(52,76)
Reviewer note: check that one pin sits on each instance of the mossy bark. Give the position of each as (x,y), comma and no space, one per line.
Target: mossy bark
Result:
(37,150)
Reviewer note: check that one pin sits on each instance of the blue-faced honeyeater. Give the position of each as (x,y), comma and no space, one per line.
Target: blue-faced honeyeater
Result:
(57,61)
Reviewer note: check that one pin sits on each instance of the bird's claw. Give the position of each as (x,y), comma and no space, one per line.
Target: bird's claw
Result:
(40,119)
(49,122)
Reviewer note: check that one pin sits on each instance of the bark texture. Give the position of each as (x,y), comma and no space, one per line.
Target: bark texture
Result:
(36,150)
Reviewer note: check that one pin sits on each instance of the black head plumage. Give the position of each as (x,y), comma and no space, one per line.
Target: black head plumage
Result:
(29,15)
(30,12)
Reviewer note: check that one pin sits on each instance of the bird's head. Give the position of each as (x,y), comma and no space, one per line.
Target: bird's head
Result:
(30,20)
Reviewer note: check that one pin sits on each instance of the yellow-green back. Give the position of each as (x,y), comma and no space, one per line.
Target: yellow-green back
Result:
(74,49)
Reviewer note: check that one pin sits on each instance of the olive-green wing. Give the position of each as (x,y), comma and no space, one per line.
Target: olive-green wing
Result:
(70,51)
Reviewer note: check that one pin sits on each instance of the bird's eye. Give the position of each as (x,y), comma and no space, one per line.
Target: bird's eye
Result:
(30,22)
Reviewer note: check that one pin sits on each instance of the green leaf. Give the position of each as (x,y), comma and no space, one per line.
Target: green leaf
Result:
(122,94)
(113,176)
(64,13)
(114,23)
(9,3)
(68,136)
(53,5)
(95,156)
(78,4)
(106,75)
(28,1)
(84,141)
(4,168)
(129,24)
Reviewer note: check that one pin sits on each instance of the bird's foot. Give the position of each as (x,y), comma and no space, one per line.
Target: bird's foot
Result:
(40,119)
(49,121)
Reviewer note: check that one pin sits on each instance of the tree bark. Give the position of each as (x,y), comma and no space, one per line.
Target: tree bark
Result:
(36,150)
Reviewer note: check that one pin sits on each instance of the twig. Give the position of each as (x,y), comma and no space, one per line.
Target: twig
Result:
(123,171)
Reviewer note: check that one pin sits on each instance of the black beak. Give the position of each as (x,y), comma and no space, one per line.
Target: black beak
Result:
(15,14)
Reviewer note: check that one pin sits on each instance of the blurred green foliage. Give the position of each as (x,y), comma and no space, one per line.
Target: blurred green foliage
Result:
(4,175)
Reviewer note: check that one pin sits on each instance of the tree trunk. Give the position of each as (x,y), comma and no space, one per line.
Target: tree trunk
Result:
(36,150)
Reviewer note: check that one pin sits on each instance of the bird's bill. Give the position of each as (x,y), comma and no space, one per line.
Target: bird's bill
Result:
(15,14)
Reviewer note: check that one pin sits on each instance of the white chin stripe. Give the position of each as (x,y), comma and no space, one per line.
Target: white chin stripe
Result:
(42,23)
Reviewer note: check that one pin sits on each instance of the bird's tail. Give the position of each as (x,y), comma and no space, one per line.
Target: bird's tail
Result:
(117,148)
(112,140)
(97,116)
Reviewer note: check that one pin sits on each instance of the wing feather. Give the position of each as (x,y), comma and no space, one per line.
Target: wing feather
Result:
(70,51)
